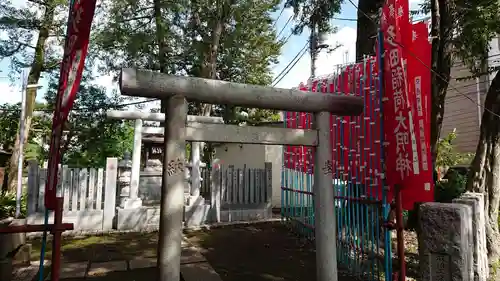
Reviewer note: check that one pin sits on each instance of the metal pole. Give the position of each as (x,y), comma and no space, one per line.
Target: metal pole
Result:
(19,190)
(324,203)
(172,193)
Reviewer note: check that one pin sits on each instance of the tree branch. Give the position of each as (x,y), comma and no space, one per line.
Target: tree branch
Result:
(39,2)
(13,23)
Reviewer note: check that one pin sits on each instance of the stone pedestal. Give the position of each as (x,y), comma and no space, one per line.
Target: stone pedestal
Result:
(476,202)
(445,242)
(196,212)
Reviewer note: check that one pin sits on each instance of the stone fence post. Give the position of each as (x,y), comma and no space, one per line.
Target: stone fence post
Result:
(476,202)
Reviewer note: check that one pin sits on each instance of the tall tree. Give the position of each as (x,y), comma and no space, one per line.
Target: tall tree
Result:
(443,13)
(243,52)
(21,25)
(478,26)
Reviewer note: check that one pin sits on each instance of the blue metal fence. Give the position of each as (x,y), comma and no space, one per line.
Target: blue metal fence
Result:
(363,244)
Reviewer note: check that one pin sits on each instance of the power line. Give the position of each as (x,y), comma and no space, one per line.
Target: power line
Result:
(278,18)
(426,66)
(290,66)
(286,24)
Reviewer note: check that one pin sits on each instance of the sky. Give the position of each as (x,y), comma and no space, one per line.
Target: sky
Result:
(10,92)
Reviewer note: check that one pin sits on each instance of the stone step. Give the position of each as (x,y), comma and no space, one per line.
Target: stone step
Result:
(103,268)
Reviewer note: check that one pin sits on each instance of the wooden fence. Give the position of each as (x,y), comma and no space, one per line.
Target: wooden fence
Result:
(238,185)
(89,195)
(244,186)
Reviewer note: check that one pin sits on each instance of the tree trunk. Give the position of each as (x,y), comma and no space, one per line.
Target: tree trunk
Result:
(441,32)
(37,67)
(484,176)
(209,64)
(366,41)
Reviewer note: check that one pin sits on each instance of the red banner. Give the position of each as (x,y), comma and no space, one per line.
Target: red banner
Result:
(75,51)
(397,123)
(405,111)
(421,186)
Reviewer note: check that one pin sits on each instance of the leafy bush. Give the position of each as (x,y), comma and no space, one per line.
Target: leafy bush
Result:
(8,205)
(447,156)
(447,190)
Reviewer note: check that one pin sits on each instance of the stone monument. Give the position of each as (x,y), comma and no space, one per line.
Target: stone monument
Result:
(445,242)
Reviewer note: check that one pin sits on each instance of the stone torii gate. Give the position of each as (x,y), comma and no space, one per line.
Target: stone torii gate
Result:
(139,130)
(177,90)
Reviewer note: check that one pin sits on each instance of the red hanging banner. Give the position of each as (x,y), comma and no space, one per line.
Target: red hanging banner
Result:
(420,187)
(397,107)
(406,106)
(75,51)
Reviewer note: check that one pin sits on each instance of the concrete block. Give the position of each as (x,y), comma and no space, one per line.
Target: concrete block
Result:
(445,242)
(153,217)
(131,219)
(197,213)
(476,202)
(246,214)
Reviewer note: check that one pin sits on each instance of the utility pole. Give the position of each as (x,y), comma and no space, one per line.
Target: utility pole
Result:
(313,47)
(316,44)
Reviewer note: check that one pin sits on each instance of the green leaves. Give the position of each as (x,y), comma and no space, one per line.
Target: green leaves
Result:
(447,155)
(309,12)
(90,136)
(247,50)
(9,123)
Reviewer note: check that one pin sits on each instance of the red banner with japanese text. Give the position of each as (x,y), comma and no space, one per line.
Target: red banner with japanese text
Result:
(421,186)
(405,112)
(75,50)
(398,152)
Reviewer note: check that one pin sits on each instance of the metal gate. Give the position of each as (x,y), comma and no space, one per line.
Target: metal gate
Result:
(363,243)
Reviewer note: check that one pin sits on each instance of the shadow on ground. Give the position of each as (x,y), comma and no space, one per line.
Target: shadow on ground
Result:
(258,252)
(251,252)
(102,248)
